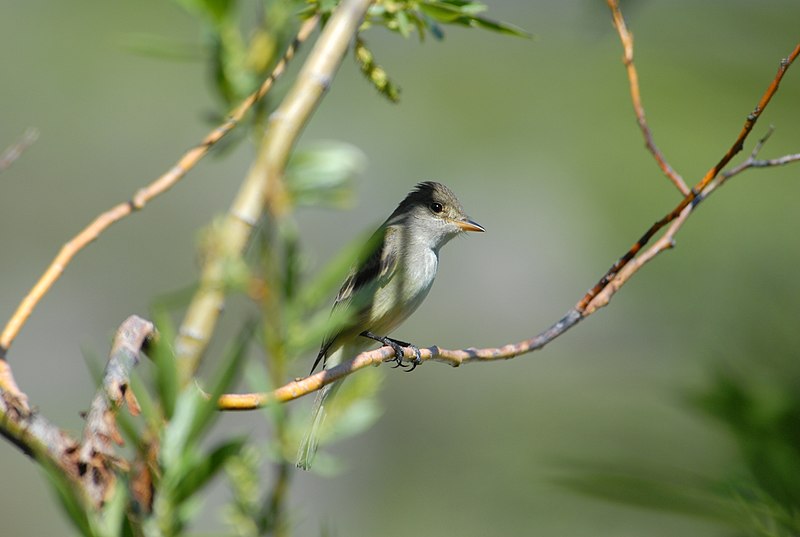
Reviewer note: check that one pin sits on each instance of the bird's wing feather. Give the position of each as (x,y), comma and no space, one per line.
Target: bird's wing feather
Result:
(375,269)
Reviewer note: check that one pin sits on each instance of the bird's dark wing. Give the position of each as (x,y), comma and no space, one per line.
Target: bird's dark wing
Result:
(361,282)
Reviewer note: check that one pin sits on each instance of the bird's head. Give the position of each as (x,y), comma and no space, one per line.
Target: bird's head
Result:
(432,214)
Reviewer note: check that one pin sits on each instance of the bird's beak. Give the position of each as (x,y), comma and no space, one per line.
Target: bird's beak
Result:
(469,225)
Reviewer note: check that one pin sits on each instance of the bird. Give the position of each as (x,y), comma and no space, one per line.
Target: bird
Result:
(386,286)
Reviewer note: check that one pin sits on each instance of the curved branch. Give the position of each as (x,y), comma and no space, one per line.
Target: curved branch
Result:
(264,182)
(596,298)
(140,199)
(300,387)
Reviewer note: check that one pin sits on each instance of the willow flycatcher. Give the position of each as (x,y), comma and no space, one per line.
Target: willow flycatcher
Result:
(387,286)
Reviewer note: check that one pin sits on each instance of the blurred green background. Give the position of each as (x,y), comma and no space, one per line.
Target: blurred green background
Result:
(538,139)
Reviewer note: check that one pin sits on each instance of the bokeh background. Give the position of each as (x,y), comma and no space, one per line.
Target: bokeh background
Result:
(538,139)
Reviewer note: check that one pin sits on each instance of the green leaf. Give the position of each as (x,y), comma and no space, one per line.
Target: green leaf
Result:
(206,408)
(472,8)
(359,416)
(167,374)
(292,260)
(174,442)
(500,27)
(403,24)
(71,499)
(441,12)
(194,413)
(110,521)
(197,475)
(323,174)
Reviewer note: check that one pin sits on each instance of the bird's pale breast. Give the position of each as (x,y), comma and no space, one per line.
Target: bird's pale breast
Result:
(405,291)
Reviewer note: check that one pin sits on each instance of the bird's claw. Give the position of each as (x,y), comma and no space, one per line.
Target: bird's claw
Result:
(416,360)
(399,355)
(399,351)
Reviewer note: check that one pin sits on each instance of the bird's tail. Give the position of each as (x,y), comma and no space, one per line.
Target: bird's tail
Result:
(310,443)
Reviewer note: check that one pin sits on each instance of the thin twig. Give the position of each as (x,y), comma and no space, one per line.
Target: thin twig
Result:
(753,162)
(140,199)
(13,152)
(699,187)
(633,77)
(263,186)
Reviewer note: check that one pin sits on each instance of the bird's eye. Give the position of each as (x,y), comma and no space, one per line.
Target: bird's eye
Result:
(436,207)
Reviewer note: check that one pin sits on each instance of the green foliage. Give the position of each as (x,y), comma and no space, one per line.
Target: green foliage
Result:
(110,521)
(323,174)
(245,514)
(167,374)
(375,72)
(760,410)
(762,414)
(73,502)
(184,466)
(650,488)
(241,48)
(423,17)
(427,16)
(169,449)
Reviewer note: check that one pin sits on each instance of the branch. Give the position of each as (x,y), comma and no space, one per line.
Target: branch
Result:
(263,185)
(300,387)
(752,162)
(597,297)
(627,45)
(140,199)
(87,467)
(13,152)
(585,304)
(96,457)
(35,436)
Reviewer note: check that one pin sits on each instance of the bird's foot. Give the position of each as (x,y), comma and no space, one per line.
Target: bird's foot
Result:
(399,351)
(411,364)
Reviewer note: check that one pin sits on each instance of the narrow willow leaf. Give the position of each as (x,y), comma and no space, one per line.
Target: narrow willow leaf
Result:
(198,475)
(111,520)
(500,27)
(71,499)
(206,410)
(160,351)
(441,11)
